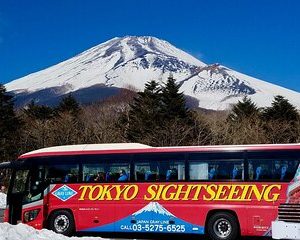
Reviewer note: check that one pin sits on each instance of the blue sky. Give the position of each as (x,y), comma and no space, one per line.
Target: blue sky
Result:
(258,37)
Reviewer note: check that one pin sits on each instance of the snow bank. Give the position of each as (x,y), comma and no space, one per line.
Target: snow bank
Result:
(24,232)
(2,200)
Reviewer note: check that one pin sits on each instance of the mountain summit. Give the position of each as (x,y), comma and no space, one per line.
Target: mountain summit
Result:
(154,207)
(131,61)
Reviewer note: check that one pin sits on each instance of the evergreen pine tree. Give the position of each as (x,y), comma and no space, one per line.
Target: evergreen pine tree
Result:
(179,125)
(281,121)
(158,117)
(39,112)
(243,109)
(144,113)
(70,105)
(282,110)
(9,126)
(173,101)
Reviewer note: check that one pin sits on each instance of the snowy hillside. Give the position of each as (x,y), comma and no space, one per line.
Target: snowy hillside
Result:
(218,87)
(132,61)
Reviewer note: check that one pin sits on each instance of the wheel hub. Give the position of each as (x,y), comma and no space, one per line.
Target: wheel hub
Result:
(61,223)
(222,228)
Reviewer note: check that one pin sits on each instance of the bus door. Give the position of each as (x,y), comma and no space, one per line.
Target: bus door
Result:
(25,196)
(33,198)
(15,195)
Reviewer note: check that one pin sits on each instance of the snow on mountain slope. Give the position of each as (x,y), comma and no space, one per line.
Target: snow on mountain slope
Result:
(218,87)
(154,207)
(119,62)
(131,62)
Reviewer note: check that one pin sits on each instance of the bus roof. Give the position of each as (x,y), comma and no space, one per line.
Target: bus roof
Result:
(141,148)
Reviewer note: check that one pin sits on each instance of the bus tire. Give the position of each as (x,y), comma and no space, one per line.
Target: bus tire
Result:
(62,221)
(223,226)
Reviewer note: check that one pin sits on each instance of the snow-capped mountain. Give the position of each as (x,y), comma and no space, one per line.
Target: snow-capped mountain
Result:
(154,207)
(129,62)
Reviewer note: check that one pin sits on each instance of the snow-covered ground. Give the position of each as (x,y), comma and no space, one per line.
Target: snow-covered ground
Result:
(2,200)
(24,232)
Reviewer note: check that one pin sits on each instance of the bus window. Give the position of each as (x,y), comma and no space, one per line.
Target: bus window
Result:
(260,170)
(216,170)
(35,185)
(272,169)
(118,172)
(143,172)
(198,171)
(159,171)
(65,173)
(19,181)
(176,171)
(159,167)
(93,172)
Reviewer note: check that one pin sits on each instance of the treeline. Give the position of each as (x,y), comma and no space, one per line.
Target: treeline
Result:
(158,116)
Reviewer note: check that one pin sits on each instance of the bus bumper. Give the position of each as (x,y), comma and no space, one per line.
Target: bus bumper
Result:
(285,230)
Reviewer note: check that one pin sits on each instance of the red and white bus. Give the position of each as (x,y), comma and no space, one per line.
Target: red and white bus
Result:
(222,191)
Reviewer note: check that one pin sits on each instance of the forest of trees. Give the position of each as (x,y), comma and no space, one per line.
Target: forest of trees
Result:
(158,116)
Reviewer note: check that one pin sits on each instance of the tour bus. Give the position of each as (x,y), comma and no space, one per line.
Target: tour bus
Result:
(222,191)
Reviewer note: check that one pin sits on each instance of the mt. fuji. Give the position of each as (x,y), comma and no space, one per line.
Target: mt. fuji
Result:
(154,207)
(130,62)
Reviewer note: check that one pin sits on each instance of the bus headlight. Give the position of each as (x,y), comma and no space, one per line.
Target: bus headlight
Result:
(31,215)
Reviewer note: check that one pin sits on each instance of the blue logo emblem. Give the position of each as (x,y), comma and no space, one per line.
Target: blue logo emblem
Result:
(64,193)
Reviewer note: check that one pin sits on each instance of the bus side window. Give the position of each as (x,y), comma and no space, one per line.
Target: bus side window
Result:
(61,173)
(176,172)
(159,171)
(171,170)
(93,172)
(198,170)
(272,166)
(216,170)
(260,170)
(144,172)
(272,169)
(118,172)
(161,167)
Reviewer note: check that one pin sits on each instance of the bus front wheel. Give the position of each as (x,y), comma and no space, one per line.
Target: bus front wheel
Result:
(62,222)
(223,226)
